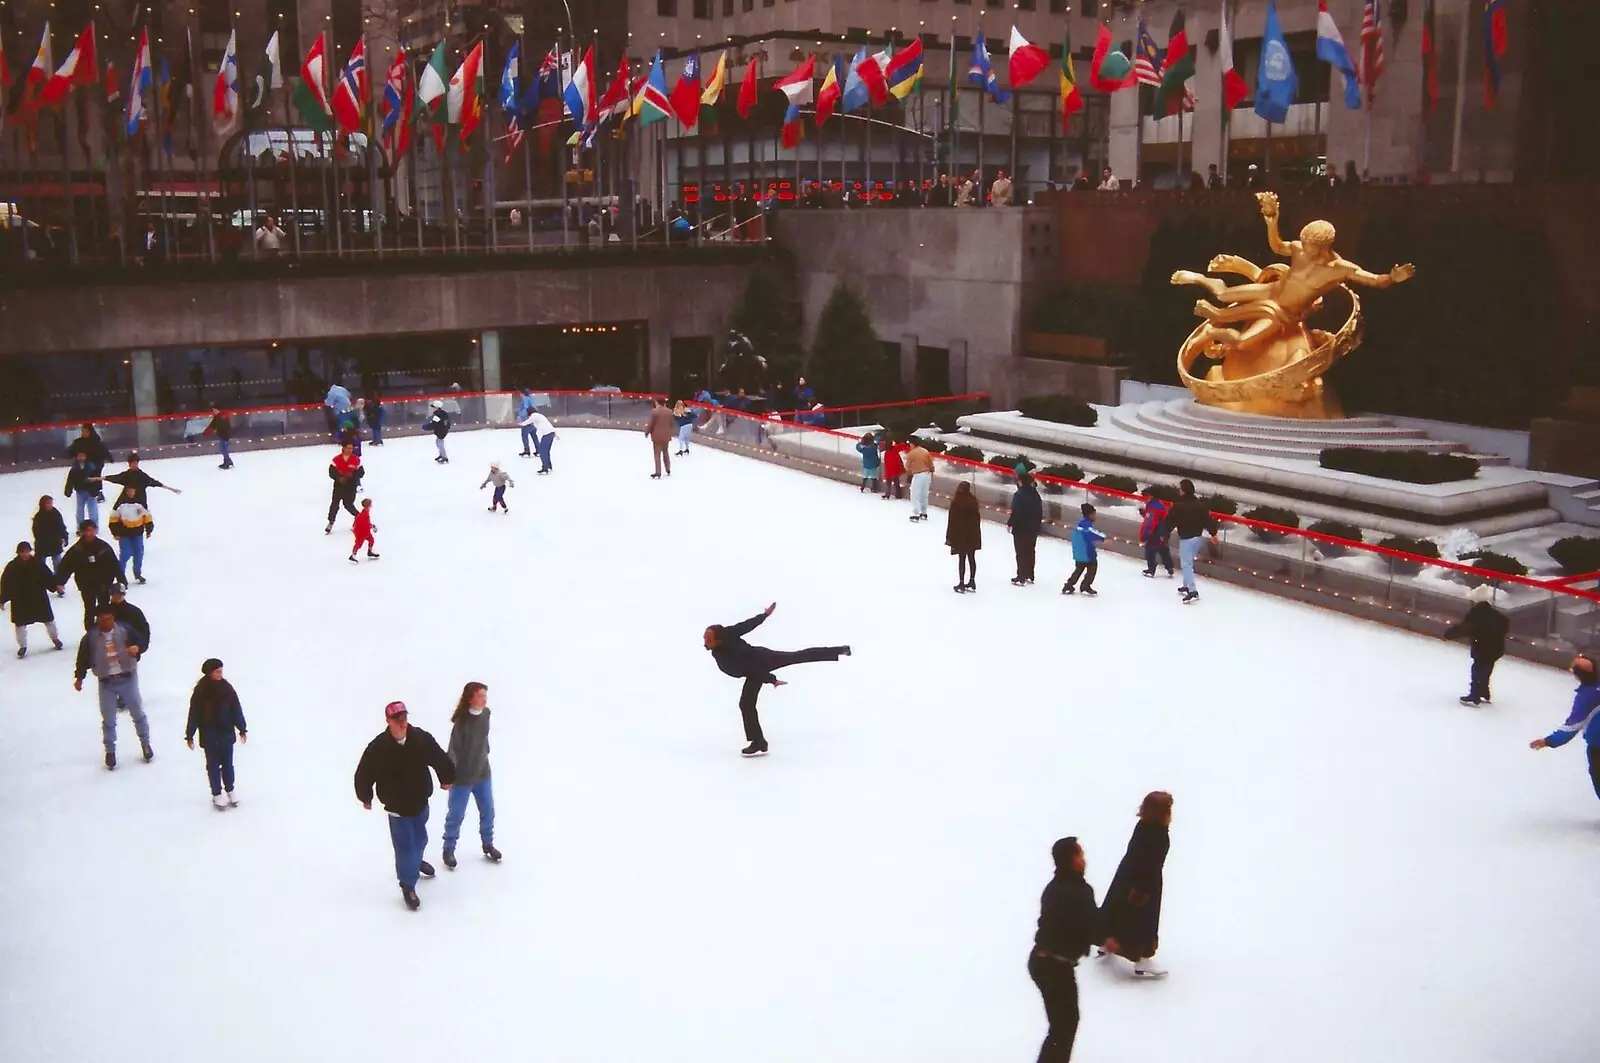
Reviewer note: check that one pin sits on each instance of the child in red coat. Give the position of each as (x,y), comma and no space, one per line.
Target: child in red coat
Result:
(894,466)
(364,529)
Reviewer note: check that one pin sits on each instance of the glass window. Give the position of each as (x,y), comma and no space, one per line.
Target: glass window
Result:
(667,8)
(702,9)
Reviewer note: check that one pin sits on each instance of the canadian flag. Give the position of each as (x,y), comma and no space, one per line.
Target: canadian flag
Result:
(79,68)
(1027,61)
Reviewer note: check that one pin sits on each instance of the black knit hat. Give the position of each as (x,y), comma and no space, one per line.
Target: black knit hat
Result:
(24,546)
(211,665)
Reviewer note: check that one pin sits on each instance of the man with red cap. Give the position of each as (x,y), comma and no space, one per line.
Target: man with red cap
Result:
(397,763)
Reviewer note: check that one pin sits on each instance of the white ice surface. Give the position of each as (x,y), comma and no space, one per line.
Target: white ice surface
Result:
(1361,870)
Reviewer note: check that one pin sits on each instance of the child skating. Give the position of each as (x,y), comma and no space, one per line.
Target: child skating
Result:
(501,481)
(363,530)
(871,462)
(215,712)
(1086,540)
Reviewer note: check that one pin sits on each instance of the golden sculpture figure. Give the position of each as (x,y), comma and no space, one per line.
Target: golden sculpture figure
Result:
(1271,362)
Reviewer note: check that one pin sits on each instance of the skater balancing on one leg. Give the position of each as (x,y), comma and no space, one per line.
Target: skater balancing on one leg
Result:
(963,534)
(1487,627)
(215,713)
(871,460)
(1086,539)
(346,473)
(26,583)
(397,764)
(1132,907)
(1069,923)
(364,530)
(1584,719)
(469,752)
(501,481)
(755,665)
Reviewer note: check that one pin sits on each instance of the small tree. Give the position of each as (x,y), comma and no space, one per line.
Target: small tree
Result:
(849,364)
(768,315)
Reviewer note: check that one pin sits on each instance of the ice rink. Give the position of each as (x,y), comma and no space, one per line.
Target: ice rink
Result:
(1362,870)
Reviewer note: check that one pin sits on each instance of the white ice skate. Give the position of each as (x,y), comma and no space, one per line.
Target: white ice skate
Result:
(233,800)
(218,803)
(1149,968)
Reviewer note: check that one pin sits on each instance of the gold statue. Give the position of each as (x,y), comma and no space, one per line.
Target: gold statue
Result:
(1271,362)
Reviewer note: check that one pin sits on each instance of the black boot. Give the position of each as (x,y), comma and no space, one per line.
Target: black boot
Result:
(111,760)
(491,853)
(754,749)
(426,869)
(149,754)
(410,896)
(450,859)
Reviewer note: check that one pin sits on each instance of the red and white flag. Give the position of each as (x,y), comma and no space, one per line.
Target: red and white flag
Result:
(79,68)
(350,95)
(225,92)
(1371,48)
(28,100)
(1026,61)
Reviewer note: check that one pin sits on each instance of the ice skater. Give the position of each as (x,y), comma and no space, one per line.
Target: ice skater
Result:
(397,765)
(346,473)
(111,651)
(131,525)
(1191,519)
(222,428)
(871,462)
(131,617)
(215,713)
(684,417)
(1153,535)
(26,583)
(364,531)
(1132,909)
(93,565)
(755,665)
(540,433)
(84,482)
(1086,540)
(469,752)
(140,481)
(438,423)
(919,463)
(659,429)
(1487,626)
(1026,521)
(1584,719)
(963,534)
(1069,923)
(49,532)
(894,466)
(501,481)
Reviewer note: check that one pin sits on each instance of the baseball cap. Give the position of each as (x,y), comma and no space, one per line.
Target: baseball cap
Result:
(393,709)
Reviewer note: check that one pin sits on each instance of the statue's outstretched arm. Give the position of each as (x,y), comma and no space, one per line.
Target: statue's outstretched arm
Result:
(1399,275)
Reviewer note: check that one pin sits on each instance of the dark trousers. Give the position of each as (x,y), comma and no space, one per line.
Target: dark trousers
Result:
(1157,551)
(1087,570)
(1482,669)
(1594,768)
(1058,984)
(93,599)
(345,496)
(499,497)
(772,660)
(891,487)
(1027,547)
(219,768)
(964,562)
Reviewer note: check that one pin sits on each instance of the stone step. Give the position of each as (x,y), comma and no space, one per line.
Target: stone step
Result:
(1312,439)
(1186,413)
(1291,423)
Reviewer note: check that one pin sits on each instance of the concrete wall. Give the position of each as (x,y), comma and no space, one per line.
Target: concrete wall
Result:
(947,278)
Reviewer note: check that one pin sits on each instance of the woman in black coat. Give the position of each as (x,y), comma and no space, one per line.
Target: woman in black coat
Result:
(1132,907)
(964,536)
(25,584)
(49,531)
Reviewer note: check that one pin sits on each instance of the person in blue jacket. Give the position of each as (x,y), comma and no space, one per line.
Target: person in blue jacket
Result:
(871,462)
(1085,553)
(1026,521)
(1583,719)
(684,416)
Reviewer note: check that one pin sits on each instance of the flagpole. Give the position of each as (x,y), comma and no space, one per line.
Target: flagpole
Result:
(294,169)
(369,130)
(207,159)
(1461,90)
(1179,171)
(67,189)
(527,148)
(983,92)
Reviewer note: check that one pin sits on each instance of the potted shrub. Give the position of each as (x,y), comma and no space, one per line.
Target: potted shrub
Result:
(1060,409)
(1166,492)
(1009,463)
(1490,561)
(965,452)
(1221,505)
(932,446)
(1064,472)
(1407,545)
(1410,466)
(1339,530)
(1272,515)
(1578,555)
(1112,482)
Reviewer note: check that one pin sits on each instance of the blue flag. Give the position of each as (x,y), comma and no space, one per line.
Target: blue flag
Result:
(511,79)
(1275,78)
(856,94)
(981,72)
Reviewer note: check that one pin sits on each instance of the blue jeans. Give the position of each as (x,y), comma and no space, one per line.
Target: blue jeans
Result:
(544,445)
(483,794)
(1188,549)
(88,509)
(527,439)
(132,546)
(684,432)
(127,689)
(222,448)
(219,767)
(410,837)
(438,441)
(499,496)
(377,433)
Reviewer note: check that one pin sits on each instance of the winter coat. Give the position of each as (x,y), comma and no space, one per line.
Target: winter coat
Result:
(660,427)
(131,520)
(337,399)
(1190,518)
(869,456)
(399,771)
(373,411)
(93,450)
(49,533)
(438,424)
(1154,512)
(79,481)
(736,657)
(539,423)
(684,418)
(918,460)
(963,531)
(26,585)
(1584,718)
(1487,626)
(93,565)
(139,480)
(345,472)
(1132,909)
(92,655)
(1069,920)
(894,464)
(469,747)
(215,712)
(498,478)
(1027,511)
(132,617)
(221,426)
(1086,539)
(362,525)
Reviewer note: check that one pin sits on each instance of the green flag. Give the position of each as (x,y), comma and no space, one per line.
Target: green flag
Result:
(311,91)
(268,79)
(1176,71)
(433,84)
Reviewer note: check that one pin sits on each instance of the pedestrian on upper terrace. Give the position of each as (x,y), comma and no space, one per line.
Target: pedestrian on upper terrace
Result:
(1000,191)
(1109,181)
(1487,627)
(1026,521)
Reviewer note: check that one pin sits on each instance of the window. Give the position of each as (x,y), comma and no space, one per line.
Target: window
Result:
(994,3)
(1026,5)
(766,3)
(857,34)
(1060,7)
(702,9)
(930,41)
(727,8)
(1056,51)
(962,44)
(1089,8)
(747,5)
(667,8)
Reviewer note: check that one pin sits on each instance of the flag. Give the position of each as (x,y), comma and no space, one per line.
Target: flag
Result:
(1430,62)
(832,90)
(1026,61)
(1275,78)
(397,107)
(1371,47)
(617,100)
(579,92)
(1146,58)
(178,89)
(350,95)
(37,77)
(1331,50)
(719,81)
(981,71)
(881,61)
(113,86)
(748,86)
(1177,67)
(511,82)
(79,68)
(311,95)
(1495,42)
(464,97)
(1109,70)
(800,88)
(432,85)
(1071,101)
(652,104)
(904,73)
(1234,89)
(138,85)
(686,94)
(268,79)
(225,93)
(545,84)
(856,94)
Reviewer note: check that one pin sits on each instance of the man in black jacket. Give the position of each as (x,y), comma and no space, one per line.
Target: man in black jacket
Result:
(1069,922)
(130,616)
(1192,519)
(438,423)
(397,763)
(1487,626)
(1025,521)
(94,566)
(755,665)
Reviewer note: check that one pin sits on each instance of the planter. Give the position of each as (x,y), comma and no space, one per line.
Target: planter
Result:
(1331,550)
(1067,347)
(1398,567)
(1268,536)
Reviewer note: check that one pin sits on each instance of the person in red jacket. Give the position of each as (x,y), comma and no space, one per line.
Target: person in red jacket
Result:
(364,529)
(894,466)
(346,472)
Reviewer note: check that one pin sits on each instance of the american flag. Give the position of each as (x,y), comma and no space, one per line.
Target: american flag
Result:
(1147,58)
(1371,47)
